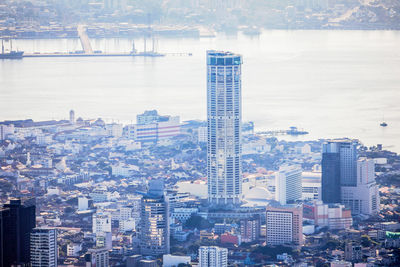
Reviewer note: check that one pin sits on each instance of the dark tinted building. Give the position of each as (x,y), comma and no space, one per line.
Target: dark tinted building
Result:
(330,177)
(17,219)
(339,168)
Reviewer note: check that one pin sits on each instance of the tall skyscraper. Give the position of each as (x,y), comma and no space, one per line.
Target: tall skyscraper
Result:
(44,247)
(154,230)
(339,168)
(17,220)
(288,184)
(213,256)
(224,116)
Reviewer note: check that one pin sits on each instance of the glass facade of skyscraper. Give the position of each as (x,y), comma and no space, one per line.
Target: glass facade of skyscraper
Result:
(224,116)
(339,168)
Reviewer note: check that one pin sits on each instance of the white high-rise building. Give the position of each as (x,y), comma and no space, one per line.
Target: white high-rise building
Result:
(224,117)
(364,197)
(288,184)
(101,222)
(211,256)
(83,203)
(44,247)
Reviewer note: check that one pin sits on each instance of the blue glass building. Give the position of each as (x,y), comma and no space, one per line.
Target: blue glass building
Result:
(224,117)
(339,168)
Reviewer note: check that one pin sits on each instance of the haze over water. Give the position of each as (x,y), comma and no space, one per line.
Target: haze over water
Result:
(330,83)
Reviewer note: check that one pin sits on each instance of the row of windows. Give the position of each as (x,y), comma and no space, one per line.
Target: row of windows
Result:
(224,61)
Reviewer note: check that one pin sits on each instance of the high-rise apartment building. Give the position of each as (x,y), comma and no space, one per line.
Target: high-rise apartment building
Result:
(101,222)
(97,257)
(154,230)
(288,187)
(17,219)
(364,197)
(211,256)
(44,247)
(250,229)
(284,225)
(339,168)
(224,116)
(347,180)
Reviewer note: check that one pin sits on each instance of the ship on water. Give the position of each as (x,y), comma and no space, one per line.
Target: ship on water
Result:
(383,123)
(11,54)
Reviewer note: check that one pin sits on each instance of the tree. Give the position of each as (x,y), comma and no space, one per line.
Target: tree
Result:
(366,241)
(198,222)
(68,210)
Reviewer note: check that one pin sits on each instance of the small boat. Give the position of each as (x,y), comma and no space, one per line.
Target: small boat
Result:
(383,123)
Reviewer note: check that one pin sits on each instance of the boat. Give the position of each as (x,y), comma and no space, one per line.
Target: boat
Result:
(383,123)
(11,54)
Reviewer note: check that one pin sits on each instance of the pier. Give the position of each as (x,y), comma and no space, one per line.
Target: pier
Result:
(75,54)
(87,47)
(292,131)
(89,52)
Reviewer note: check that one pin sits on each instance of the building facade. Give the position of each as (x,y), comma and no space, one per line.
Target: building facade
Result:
(364,197)
(250,229)
(101,222)
(17,219)
(333,216)
(224,116)
(284,225)
(288,187)
(44,248)
(339,168)
(97,257)
(152,127)
(311,185)
(211,256)
(154,230)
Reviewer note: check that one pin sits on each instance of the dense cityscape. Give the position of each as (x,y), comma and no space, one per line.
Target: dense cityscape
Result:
(194,18)
(166,192)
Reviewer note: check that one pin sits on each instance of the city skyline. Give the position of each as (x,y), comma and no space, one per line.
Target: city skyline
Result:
(209,133)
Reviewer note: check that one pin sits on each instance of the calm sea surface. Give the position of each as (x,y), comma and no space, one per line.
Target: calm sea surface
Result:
(330,83)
